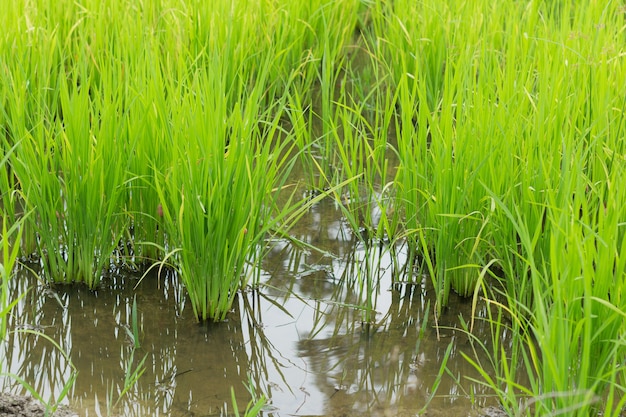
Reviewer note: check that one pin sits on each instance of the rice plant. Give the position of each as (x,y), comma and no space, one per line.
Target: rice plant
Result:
(217,195)
(78,189)
(513,145)
(9,243)
(508,142)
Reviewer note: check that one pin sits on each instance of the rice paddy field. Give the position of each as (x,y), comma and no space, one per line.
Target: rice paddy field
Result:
(474,150)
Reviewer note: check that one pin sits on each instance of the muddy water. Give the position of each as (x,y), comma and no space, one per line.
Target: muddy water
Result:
(304,339)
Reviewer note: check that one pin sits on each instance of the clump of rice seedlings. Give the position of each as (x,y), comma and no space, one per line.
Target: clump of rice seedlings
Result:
(569,341)
(510,163)
(551,181)
(66,115)
(216,197)
(77,190)
(438,184)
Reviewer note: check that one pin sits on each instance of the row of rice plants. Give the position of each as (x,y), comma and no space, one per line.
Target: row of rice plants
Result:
(69,169)
(570,340)
(150,131)
(510,139)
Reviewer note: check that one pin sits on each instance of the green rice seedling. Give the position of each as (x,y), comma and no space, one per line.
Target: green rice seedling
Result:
(569,339)
(546,148)
(23,90)
(68,124)
(457,125)
(254,407)
(8,192)
(583,279)
(569,342)
(217,197)
(440,166)
(77,193)
(412,173)
(132,373)
(539,222)
(9,243)
(29,126)
(424,136)
(46,191)
(433,191)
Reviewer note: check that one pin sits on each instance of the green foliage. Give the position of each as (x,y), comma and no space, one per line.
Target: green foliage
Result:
(216,196)
(487,136)
(9,244)
(509,128)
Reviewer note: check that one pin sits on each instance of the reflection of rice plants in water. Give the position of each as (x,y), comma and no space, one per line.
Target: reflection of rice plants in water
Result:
(9,247)
(486,138)
(362,365)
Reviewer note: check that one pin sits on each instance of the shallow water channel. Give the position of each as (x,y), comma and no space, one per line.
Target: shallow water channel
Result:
(300,339)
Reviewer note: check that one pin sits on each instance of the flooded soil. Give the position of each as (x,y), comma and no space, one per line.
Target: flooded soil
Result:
(305,339)
(25,406)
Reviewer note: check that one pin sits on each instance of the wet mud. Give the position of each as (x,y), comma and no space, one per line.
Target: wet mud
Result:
(24,406)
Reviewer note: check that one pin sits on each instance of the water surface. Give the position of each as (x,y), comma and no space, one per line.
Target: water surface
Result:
(304,339)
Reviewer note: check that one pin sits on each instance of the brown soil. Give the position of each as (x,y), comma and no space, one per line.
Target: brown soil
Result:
(18,405)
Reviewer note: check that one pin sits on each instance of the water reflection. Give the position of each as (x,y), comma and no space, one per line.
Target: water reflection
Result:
(327,333)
